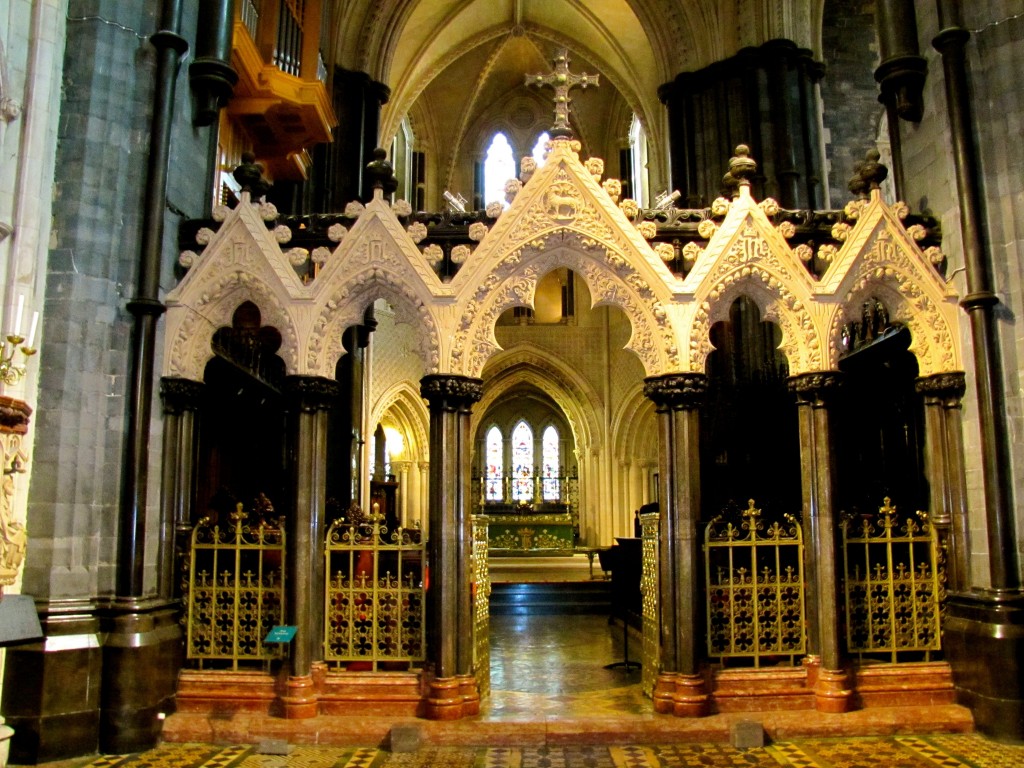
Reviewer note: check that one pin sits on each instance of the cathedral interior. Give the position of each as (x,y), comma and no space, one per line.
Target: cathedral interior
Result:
(321,317)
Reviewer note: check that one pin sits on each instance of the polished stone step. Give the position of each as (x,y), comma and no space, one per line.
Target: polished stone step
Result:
(550,598)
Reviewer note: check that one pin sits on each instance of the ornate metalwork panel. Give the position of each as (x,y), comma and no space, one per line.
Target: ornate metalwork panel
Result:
(894,584)
(755,589)
(531,534)
(235,591)
(375,611)
(481,607)
(651,613)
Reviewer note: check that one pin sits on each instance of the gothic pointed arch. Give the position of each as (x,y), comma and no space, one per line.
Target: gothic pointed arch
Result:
(748,256)
(881,259)
(402,406)
(241,262)
(633,423)
(563,384)
(562,218)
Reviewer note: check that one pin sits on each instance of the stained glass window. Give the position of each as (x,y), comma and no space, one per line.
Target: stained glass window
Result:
(495,465)
(522,462)
(499,167)
(540,148)
(549,459)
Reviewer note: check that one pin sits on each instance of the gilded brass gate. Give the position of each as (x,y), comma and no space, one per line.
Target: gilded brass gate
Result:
(374,612)
(755,588)
(651,652)
(481,607)
(895,584)
(235,591)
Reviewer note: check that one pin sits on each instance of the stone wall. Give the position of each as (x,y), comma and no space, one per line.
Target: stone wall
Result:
(995,60)
(849,93)
(109,70)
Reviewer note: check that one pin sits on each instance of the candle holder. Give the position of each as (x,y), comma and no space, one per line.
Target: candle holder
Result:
(11,372)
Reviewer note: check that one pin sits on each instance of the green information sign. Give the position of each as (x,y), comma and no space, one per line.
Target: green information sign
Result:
(282,634)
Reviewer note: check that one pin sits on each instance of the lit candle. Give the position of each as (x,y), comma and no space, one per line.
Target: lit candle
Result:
(32,330)
(18,314)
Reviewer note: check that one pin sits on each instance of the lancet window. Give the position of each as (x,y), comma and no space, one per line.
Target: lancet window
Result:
(549,469)
(522,462)
(499,167)
(495,465)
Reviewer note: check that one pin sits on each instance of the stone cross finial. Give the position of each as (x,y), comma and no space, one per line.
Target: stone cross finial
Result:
(562,80)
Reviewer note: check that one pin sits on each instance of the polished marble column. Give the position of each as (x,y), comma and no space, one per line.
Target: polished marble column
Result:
(944,463)
(452,687)
(309,399)
(814,392)
(181,399)
(681,687)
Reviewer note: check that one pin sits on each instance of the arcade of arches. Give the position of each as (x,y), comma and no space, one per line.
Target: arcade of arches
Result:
(345,371)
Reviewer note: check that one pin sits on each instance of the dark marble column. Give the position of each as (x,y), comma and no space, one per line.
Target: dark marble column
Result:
(309,400)
(452,691)
(181,400)
(357,103)
(944,462)
(821,542)
(900,75)
(763,97)
(681,687)
(983,631)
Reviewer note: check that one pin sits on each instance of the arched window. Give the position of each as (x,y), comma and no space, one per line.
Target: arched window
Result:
(540,148)
(499,167)
(522,462)
(495,465)
(549,460)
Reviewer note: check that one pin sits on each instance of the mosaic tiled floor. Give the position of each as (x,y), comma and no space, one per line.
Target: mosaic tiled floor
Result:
(945,751)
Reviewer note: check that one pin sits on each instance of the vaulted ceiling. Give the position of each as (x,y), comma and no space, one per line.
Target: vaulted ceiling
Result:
(454,66)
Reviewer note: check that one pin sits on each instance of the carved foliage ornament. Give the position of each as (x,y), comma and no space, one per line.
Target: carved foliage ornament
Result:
(13,536)
(889,270)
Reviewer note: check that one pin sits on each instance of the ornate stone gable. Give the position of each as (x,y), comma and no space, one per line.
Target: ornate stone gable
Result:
(881,259)
(241,262)
(562,218)
(748,256)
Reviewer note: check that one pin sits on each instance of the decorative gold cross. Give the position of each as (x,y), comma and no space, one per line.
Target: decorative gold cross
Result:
(562,80)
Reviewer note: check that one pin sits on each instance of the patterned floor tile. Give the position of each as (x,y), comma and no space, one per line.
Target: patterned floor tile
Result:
(975,750)
(632,757)
(702,755)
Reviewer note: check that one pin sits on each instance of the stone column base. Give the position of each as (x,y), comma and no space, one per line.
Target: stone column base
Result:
(983,638)
(470,693)
(832,691)
(664,687)
(445,699)
(300,698)
(681,695)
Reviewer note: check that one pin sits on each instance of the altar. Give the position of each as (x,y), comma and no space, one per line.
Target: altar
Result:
(539,530)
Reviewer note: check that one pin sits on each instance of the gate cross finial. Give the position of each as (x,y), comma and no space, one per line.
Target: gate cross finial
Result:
(562,80)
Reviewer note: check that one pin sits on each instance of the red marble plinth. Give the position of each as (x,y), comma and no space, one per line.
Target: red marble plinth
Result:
(444,699)
(664,687)
(691,697)
(832,691)
(470,693)
(300,698)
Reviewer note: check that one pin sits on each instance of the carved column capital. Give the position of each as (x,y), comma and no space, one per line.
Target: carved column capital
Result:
(311,393)
(947,387)
(179,395)
(14,415)
(682,391)
(815,388)
(451,392)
